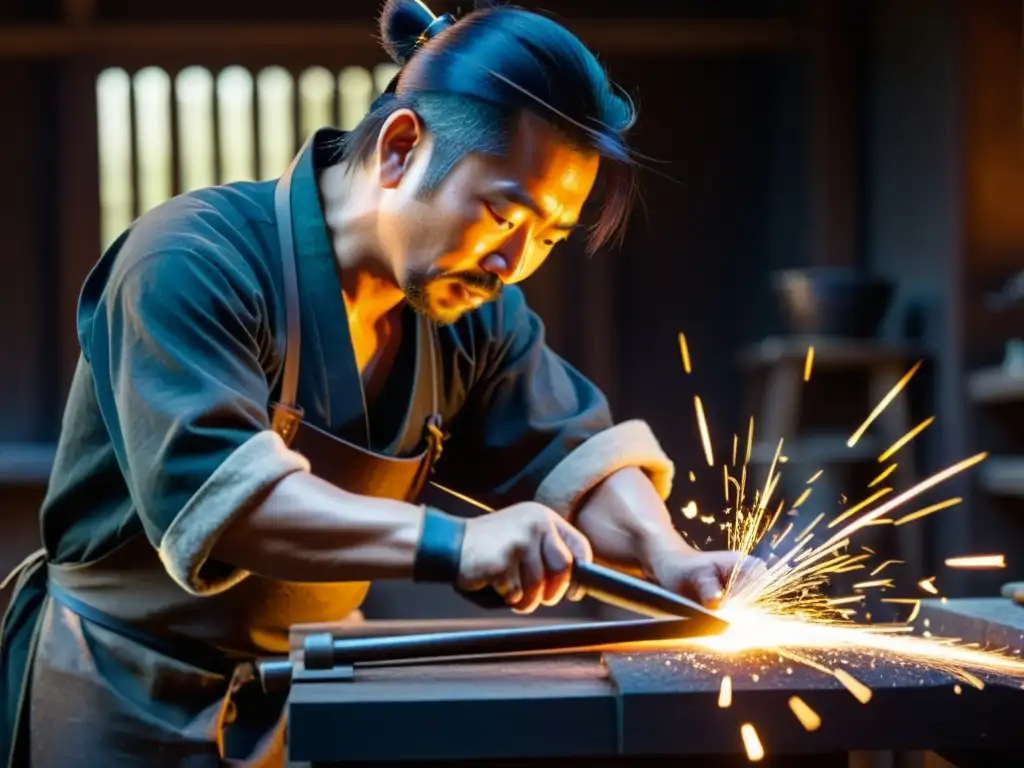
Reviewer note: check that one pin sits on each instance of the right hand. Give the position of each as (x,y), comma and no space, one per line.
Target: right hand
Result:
(525,552)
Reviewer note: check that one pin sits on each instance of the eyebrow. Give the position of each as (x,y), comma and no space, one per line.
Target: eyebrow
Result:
(515,193)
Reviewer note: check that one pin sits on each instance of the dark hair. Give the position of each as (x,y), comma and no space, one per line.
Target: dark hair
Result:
(468,80)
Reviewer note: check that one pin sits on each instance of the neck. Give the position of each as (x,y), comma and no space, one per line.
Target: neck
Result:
(367,280)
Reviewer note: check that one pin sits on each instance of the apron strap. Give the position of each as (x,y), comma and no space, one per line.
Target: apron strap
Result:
(20,568)
(184,649)
(287,415)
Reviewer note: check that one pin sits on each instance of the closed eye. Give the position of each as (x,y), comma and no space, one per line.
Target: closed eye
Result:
(499,219)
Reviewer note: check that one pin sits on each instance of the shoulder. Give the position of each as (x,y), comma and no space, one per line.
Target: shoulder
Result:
(210,248)
(220,234)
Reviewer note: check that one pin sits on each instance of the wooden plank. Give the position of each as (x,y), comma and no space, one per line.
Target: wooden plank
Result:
(996,385)
(652,36)
(1003,476)
(828,352)
(818,449)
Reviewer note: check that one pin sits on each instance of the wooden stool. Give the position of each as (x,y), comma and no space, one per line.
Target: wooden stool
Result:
(781,360)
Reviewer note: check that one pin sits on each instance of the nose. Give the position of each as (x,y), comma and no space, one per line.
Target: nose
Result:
(508,261)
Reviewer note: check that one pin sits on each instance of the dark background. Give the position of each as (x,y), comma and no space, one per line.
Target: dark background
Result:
(882,134)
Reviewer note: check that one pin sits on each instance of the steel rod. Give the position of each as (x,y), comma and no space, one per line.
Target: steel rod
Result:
(322,651)
(516,640)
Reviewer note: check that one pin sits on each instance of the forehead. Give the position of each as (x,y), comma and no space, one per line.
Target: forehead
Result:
(544,161)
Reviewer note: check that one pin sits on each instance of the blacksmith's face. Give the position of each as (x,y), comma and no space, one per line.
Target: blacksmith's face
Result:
(492,221)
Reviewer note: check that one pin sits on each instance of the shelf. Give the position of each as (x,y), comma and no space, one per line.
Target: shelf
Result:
(828,352)
(818,449)
(995,385)
(1003,476)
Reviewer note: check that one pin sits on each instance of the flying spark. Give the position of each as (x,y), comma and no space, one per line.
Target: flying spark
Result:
(883,404)
(928,510)
(808,718)
(685,349)
(977,561)
(808,364)
(884,474)
(705,437)
(725,693)
(751,743)
(905,439)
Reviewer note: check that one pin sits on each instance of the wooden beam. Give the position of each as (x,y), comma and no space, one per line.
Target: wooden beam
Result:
(77,11)
(655,37)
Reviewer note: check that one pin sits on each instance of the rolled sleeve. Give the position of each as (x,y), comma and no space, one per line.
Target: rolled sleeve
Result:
(176,355)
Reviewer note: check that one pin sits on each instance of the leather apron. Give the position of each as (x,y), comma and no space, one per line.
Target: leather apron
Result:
(112,661)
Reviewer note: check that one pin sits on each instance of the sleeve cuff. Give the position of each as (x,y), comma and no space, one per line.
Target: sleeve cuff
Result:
(629,444)
(248,473)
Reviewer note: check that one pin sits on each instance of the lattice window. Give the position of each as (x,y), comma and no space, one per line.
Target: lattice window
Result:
(161,134)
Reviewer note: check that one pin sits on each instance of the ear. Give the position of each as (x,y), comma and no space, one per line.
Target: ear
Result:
(400,134)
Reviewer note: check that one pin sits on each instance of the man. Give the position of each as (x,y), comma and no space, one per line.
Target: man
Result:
(210,490)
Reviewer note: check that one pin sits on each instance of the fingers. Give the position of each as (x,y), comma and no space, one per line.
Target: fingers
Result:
(558,561)
(574,540)
(708,591)
(546,568)
(532,577)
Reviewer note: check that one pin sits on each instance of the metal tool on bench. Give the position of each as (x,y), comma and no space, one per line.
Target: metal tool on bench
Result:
(325,657)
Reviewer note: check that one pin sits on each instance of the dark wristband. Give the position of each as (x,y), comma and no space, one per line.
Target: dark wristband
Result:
(440,547)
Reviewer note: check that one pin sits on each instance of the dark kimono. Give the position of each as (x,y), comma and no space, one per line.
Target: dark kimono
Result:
(167,434)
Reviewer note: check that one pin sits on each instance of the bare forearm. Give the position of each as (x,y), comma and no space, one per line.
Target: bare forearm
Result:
(309,530)
(627,522)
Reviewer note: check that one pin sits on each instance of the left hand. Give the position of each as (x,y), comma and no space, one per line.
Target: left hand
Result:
(702,576)
(630,528)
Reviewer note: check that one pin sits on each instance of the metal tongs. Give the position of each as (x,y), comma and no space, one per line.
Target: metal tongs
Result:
(673,617)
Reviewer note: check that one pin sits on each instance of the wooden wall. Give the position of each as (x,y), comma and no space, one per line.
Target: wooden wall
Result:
(828,131)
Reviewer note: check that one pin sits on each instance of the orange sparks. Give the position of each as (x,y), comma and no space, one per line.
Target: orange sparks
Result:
(784,534)
(810,527)
(808,364)
(858,507)
(876,583)
(725,693)
(860,691)
(735,447)
(815,476)
(702,425)
(928,510)
(928,585)
(906,601)
(690,510)
(808,718)
(884,474)
(889,397)
(801,498)
(685,349)
(845,600)
(977,561)
(693,478)
(751,743)
(883,565)
(905,439)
